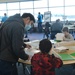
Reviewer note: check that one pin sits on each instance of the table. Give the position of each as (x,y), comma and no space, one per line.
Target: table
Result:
(70,45)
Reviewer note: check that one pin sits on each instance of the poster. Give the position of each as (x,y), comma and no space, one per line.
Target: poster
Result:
(47,16)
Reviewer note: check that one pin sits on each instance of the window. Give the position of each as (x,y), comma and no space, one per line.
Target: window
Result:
(53,3)
(40,3)
(27,11)
(70,13)
(39,10)
(3,6)
(12,12)
(56,13)
(69,2)
(13,5)
(2,13)
(28,4)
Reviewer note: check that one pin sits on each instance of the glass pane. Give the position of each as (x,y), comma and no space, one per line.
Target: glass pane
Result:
(13,5)
(27,11)
(3,6)
(12,12)
(56,3)
(69,2)
(57,13)
(39,10)
(40,3)
(28,4)
(70,13)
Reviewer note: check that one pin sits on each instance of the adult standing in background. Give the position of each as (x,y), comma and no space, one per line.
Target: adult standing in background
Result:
(4,18)
(40,17)
(12,44)
(56,28)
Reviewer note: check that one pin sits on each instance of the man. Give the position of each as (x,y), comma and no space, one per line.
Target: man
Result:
(4,18)
(56,28)
(39,22)
(12,45)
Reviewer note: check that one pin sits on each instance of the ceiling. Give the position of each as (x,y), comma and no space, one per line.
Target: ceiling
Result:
(2,1)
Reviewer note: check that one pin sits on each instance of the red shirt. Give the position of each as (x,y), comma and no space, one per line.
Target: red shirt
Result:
(45,64)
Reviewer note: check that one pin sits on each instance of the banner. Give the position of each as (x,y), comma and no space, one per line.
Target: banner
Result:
(47,16)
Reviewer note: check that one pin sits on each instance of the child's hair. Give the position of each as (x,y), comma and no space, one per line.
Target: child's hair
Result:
(45,45)
(65,29)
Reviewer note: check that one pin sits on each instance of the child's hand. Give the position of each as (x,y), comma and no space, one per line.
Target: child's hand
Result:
(63,38)
(29,58)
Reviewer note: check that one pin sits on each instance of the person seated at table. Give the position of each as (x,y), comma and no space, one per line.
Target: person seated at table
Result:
(44,63)
(67,35)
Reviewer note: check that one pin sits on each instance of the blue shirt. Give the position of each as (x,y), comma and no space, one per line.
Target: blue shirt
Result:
(4,19)
(39,18)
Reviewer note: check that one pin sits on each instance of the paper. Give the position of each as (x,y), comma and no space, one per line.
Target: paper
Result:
(31,51)
(61,49)
(73,54)
(59,36)
(34,44)
(66,57)
(53,41)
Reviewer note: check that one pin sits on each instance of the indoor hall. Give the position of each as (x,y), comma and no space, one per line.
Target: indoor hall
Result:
(51,10)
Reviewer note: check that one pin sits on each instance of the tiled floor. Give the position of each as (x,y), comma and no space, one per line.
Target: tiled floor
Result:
(64,70)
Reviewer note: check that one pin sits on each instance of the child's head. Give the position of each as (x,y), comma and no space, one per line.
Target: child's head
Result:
(45,46)
(65,31)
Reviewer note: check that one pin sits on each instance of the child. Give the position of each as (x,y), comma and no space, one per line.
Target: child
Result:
(47,30)
(43,63)
(67,35)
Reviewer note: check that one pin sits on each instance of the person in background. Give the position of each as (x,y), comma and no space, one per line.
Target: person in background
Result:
(39,22)
(12,44)
(68,23)
(56,28)
(67,35)
(44,63)
(4,18)
(47,29)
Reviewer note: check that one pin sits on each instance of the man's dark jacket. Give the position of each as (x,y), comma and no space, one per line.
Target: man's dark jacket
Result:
(12,40)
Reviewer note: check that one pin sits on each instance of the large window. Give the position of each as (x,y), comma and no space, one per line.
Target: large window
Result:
(70,13)
(40,3)
(13,5)
(12,12)
(56,13)
(54,3)
(62,9)
(39,10)
(3,6)
(28,4)
(27,11)
(69,2)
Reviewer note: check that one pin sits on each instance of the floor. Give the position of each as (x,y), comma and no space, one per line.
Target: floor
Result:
(64,70)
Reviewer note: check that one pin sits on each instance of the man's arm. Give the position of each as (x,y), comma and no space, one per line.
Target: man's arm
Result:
(17,42)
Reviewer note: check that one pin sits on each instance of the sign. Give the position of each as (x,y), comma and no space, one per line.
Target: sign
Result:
(47,16)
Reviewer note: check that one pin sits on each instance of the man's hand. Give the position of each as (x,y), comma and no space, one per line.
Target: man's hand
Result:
(28,46)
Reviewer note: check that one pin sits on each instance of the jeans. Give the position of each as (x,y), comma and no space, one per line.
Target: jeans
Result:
(54,33)
(40,27)
(7,68)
